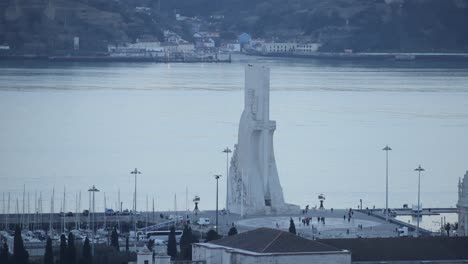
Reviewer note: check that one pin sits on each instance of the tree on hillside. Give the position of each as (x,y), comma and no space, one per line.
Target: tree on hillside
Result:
(232,231)
(115,239)
(292,226)
(172,244)
(49,254)
(212,235)
(87,257)
(71,249)
(186,244)
(20,255)
(63,249)
(4,254)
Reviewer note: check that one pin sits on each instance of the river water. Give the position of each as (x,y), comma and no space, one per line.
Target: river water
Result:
(72,125)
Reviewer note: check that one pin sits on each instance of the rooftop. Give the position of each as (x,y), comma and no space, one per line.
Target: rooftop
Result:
(267,240)
(403,249)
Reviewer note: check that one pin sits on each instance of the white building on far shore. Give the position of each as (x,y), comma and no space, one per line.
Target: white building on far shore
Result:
(285,47)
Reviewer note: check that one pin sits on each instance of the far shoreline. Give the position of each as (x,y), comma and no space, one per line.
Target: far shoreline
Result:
(337,56)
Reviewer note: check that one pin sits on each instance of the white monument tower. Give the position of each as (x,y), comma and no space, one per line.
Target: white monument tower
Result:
(462,206)
(254,186)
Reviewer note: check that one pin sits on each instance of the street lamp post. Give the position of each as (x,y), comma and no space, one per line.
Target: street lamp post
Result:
(387,148)
(217,178)
(93,190)
(227,150)
(418,215)
(135,172)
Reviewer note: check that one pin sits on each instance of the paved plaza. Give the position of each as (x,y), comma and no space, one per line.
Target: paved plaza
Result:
(335,226)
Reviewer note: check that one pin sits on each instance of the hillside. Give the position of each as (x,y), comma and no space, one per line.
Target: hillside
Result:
(361,25)
(49,26)
(42,26)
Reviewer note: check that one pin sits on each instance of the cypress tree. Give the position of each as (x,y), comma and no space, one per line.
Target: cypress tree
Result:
(63,249)
(127,247)
(115,239)
(49,254)
(186,244)
(20,255)
(71,250)
(4,254)
(87,257)
(172,244)
(191,239)
(292,226)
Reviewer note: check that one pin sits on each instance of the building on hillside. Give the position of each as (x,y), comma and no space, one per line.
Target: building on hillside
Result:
(274,47)
(76,43)
(231,47)
(170,36)
(284,47)
(462,206)
(4,47)
(407,250)
(185,46)
(307,48)
(205,43)
(143,9)
(265,245)
(244,38)
(169,47)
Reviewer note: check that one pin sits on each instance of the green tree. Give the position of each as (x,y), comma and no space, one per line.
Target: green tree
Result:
(172,244)
(127,246)
(115,239)
(49,254)
(20,255)
(186,244)
(211,235)
(71,249)
(232,231)
(292,226)
(4,254)
(87,257)
(63,249)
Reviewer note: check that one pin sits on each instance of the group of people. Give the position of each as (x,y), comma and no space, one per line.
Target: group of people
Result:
(350,214)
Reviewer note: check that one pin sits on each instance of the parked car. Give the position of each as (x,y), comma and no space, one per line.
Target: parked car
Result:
(203,221)
(109,212)
(69,214)
(85,212)
(126,212)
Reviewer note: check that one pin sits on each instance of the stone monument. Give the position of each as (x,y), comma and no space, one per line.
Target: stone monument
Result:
(462,206)
(253,182)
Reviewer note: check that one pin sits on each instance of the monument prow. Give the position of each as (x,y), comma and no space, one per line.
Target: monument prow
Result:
(254,186)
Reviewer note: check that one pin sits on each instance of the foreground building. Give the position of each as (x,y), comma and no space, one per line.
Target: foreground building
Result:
(265,245)
(404,250)
(253,182)
(462,206)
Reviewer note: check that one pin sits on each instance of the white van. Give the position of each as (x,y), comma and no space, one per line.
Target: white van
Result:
(204,221)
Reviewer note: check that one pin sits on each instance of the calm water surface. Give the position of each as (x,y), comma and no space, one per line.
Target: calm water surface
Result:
(72,125)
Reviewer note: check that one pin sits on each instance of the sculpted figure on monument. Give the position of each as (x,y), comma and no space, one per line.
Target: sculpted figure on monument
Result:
(254,186)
